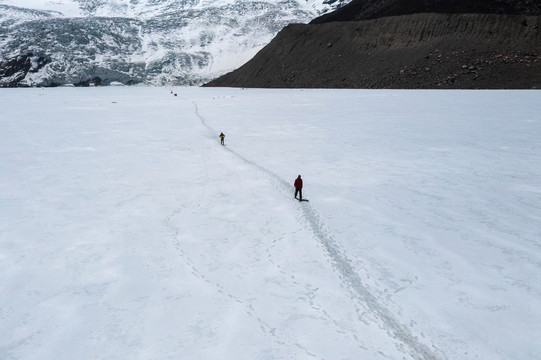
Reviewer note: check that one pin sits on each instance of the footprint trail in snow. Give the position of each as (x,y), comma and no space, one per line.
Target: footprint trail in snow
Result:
(402,333)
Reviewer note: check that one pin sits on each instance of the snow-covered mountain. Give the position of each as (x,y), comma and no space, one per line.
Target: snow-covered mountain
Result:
(157,42)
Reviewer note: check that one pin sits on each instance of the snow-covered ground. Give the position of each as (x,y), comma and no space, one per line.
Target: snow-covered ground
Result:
(62,7)
(128,232)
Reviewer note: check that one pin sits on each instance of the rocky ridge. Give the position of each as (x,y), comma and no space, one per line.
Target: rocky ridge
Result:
(486,48)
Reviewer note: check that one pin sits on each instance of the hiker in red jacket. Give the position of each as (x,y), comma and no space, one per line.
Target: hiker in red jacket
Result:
(298,187)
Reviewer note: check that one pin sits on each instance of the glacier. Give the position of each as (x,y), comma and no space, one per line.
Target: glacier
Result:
(167,42)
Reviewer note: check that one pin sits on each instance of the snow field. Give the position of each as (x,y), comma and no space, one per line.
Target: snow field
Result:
(127,231)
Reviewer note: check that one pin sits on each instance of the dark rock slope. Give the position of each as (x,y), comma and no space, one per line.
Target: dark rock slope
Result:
(409,44)
(371,9)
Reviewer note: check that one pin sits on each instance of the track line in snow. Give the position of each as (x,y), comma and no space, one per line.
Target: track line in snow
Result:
(265,327)
(402,333)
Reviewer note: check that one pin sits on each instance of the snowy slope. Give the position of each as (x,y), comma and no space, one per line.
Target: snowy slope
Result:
(154,42)
(128,232)
(59,7)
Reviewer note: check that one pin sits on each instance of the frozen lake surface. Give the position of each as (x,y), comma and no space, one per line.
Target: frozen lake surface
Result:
(128,232)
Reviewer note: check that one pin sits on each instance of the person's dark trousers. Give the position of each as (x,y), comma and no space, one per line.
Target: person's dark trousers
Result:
(298,191)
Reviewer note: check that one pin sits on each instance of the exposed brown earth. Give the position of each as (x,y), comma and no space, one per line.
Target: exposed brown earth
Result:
(422,50)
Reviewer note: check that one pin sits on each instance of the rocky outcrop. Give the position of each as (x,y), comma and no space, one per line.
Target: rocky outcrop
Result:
(372,9)
(422,50)
(14,70)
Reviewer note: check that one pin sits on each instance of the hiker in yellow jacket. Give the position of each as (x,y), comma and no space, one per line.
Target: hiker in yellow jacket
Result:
(222,137)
